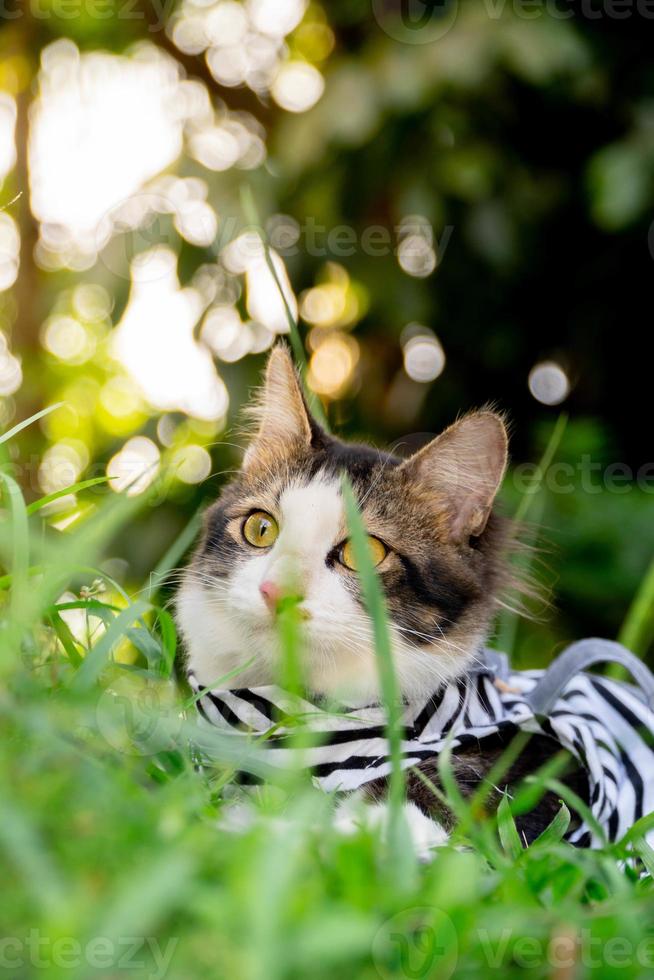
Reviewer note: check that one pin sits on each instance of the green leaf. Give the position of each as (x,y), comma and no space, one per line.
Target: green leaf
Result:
(557,829)
(645,853)
(166,626)
(640,829)
(507,829)
(146,644)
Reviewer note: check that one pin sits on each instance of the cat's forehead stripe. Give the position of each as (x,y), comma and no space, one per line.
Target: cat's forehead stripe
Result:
(312,511)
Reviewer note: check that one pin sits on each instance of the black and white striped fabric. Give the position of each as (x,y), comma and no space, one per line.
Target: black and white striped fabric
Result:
(607,725)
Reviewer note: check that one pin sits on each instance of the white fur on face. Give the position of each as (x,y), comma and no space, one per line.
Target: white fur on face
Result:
(227,623)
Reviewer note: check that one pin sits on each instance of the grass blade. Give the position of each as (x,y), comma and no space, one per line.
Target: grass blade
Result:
(172,556)
(66,638)
(376,606)
(252,216)
(557,829)
(37,505)
(507,830)
(23,425)
(637,632)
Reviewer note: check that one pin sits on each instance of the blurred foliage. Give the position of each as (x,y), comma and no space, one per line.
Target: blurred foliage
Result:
(517,147)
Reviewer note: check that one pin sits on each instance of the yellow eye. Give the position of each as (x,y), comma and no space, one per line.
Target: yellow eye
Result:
(378,552)
(260,529)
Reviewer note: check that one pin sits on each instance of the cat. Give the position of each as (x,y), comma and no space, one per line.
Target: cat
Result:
(440,548)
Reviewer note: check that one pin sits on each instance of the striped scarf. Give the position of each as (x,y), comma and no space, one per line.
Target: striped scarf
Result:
(606,725)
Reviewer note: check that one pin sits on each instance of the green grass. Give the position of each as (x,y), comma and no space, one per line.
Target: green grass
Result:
(113,861)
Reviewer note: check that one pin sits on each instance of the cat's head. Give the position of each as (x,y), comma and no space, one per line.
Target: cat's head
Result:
(279,528)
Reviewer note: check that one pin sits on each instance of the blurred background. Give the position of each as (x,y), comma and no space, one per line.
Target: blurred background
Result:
(458,198)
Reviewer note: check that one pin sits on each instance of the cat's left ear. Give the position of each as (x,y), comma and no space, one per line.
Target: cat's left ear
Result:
(280,412)
(463,469)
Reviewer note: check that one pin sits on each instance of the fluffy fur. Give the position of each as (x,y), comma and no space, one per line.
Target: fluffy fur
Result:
(443,574)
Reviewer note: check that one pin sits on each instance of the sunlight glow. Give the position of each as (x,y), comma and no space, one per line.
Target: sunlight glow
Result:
(102,125)
(154,341)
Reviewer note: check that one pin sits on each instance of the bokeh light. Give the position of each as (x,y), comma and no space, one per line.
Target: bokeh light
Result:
(332,365)
(191,464)
(245,255)
(416,254)
(335,301)
(297,86)
(68,339)
(11,374)
(156,344)
(283,231)
(548,383)
(62,464)
(276,18)
(243,44)
(7,126)
(424,357)
(92,301)
(134,467)
(9,251)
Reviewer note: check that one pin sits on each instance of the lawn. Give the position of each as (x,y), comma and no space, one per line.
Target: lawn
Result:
(116,857)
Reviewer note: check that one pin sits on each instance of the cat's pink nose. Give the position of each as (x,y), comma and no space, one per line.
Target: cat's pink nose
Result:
(271,593)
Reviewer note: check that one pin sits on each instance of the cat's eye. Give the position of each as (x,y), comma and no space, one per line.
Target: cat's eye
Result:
(260,529)
(377,550)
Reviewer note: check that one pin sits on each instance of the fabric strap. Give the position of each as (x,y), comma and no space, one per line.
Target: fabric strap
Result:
(579,656)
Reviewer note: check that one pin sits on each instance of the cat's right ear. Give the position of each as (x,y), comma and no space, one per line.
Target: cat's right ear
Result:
(282,419)
(461,471)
